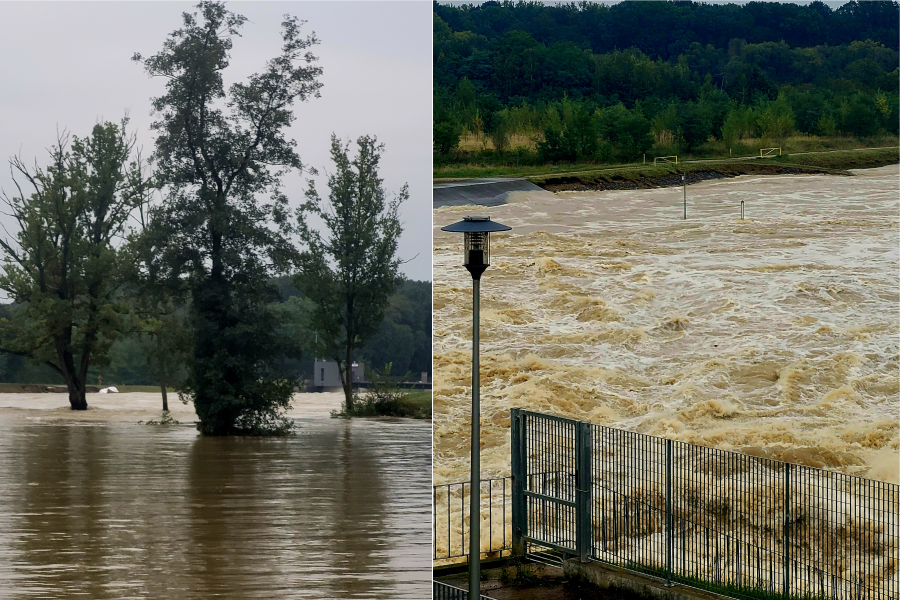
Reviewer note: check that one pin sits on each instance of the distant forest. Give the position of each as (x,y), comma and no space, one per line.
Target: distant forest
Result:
(594,82)
(404,339)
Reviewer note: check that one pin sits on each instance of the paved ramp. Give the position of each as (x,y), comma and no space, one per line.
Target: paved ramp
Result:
(491,191)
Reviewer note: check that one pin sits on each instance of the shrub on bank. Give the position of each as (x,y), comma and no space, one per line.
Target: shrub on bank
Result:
(385,398)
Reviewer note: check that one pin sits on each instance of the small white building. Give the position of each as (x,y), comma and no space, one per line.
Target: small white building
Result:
(327,378)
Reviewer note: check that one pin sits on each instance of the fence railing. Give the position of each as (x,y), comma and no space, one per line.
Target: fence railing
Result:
(450,529)
(445,591)
(740,525)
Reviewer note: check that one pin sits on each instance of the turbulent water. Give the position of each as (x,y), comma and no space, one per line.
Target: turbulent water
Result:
(108,509)
(775,335)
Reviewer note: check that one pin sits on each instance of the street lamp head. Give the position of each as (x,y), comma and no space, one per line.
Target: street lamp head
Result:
(476,244)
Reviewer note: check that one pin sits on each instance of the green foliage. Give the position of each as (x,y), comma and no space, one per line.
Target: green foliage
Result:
(165,419)
(776,121)
(63,268)
(407,319)
(581,129)
(693,126)
(350,273)
(498,126)
(404,336)
(232,380)
(628,131)
(556,147)
(384,398)
(295,330)
(446,136)
(739,125)
(740,73)
(859,116)
(749,84)
(166,344)
(219,152)
(808,109)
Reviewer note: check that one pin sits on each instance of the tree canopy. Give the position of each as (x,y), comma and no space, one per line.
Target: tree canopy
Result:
(63,266)
(520,63)
(222,229)
(350,272)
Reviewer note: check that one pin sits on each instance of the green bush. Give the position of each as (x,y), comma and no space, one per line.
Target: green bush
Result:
(385,398)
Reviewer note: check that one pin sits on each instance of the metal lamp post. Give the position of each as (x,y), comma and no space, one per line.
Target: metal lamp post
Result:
(476,258)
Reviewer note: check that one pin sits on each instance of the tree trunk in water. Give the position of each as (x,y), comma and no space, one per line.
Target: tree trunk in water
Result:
(74,384)
(348,387)
(77,400)
(348,390)
(162,387)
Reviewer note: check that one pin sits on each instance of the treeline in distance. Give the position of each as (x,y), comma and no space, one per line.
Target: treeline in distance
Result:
(403,339)
(590,82)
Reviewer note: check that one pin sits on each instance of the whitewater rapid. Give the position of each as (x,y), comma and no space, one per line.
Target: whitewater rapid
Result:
(775,335)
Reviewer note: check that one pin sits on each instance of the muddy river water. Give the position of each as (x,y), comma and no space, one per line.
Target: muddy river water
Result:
(775,335)
(103,507)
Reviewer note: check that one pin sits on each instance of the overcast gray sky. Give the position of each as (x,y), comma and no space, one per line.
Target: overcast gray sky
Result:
(68,65)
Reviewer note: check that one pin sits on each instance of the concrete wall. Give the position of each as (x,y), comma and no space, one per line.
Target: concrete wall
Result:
(609,576)
(326,376)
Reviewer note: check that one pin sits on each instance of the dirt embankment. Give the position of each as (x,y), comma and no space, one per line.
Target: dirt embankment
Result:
(669,175)
(644,181)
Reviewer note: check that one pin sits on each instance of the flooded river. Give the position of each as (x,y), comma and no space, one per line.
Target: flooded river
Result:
(105,508)
(775,335)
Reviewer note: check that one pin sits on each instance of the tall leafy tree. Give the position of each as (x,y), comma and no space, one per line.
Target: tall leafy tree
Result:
(350,273)
(63,264)
(222,229)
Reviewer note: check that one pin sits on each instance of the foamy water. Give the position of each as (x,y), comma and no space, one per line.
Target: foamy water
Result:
(775,335)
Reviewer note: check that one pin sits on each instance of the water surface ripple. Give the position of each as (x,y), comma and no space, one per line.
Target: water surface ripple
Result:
(115,510)
(775,335)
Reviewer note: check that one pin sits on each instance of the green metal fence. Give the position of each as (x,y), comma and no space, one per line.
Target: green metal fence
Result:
(450,528)
(739,525)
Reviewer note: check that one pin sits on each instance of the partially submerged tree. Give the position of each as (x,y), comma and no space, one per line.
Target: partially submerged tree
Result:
(351,272)
(63,265)
(165,341)
(222,229)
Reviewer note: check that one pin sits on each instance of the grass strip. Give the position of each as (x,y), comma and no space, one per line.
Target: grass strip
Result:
(592,176)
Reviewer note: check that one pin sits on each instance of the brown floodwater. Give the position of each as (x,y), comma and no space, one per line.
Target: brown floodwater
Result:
(110,509)
(776,334)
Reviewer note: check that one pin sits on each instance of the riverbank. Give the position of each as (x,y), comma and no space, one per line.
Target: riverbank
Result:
(644,176)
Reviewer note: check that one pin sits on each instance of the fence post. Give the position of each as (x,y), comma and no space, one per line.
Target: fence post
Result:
(669,524)
(787,530)
(517,462)
(583,486)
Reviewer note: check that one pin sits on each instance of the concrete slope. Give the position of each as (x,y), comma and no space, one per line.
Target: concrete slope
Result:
(491,191)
